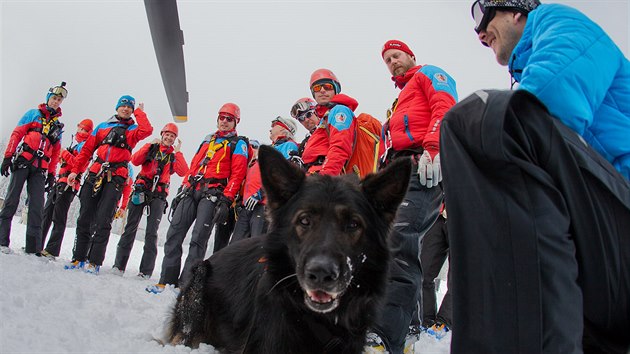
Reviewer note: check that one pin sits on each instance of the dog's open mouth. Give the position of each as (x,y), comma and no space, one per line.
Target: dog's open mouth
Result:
(321,301)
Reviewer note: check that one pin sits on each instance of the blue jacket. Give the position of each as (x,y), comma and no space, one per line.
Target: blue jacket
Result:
(578,72)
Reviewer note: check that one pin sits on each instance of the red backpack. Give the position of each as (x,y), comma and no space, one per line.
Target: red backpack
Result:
(367,147)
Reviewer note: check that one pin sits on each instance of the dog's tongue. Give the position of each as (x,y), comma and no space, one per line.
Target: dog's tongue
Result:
(319,296)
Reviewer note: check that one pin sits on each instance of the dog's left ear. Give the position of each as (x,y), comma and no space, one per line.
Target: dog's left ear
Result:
(281,179)
(387,188)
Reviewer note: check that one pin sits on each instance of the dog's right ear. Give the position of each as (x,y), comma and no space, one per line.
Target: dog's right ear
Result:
(387,188)
(281,179)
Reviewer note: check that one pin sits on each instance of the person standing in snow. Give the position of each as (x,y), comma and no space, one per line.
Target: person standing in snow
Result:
(412,130)
(330,145)
(158,160)
(539,180)
(112,141)
(34,162)
(61,195)
(213,180)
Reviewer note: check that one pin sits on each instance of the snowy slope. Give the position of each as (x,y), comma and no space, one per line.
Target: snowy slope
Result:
(46,309)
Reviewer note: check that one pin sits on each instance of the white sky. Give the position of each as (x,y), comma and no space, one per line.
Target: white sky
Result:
(258,54)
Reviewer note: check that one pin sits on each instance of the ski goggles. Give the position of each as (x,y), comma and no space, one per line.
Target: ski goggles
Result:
(127,102)
(59,91)
(481,15)
(254,144)
(301,111)
(325,86)
(228,118)
(280,123)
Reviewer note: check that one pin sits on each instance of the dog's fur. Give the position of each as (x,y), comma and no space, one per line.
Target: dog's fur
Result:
(314,283)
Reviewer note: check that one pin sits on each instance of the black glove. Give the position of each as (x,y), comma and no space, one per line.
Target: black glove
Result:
(7,165)
(222,210)
(50,182)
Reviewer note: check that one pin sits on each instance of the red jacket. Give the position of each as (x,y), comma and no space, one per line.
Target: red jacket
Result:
(30,130)
(67,160)
(427,94)
(119,157)
(253,182)
(126,193)
(173,163)
(332,139)
(226,160)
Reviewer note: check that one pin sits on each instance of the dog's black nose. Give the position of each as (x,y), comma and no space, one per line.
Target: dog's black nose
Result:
(321,270)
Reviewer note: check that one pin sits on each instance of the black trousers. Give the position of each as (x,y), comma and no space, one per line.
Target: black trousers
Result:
(432,257)
(539,232)
(156,211)
(222,233)
(56,212)
(97,212)
(250,223)
(197,208)
(35,179)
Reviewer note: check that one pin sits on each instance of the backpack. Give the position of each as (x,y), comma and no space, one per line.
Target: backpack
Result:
(367,147)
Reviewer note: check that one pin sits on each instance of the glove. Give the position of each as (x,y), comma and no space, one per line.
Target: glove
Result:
(222,210)
(7,165)
(429,171)
(251,202)
(296,159)
(50,182)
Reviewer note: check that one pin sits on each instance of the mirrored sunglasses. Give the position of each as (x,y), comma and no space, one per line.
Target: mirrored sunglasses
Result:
(326,86)
(228,118)
(59,91)
(304,116)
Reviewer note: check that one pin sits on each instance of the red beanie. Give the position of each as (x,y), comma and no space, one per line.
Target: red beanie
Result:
(396,44)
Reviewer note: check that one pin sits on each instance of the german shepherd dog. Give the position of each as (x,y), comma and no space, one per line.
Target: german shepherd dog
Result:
(314,283)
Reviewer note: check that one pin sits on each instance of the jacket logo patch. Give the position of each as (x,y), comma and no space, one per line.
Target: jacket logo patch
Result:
(340,117)
(440,77)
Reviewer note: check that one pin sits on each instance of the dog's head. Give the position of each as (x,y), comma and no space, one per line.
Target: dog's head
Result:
(333,230)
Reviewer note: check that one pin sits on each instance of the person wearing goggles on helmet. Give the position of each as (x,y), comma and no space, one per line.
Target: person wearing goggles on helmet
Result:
(330,144)
(550,166)
(111,143)
(412,129)
(303,110)
(159,160)
(208,190)
(31,156)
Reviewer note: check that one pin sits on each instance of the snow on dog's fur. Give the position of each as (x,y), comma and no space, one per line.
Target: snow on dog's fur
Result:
(314,283)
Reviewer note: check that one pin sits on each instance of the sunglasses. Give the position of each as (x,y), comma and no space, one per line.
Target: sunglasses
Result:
(59,91)
(326,86)
(254,144)
(481,15)
(228,118)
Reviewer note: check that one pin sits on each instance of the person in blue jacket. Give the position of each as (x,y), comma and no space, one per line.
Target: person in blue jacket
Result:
(537,189)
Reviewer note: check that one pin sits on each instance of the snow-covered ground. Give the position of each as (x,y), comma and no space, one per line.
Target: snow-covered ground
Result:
(46,309)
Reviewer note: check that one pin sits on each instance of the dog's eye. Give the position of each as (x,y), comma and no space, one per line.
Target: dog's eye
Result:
(304,220)
(353,225)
